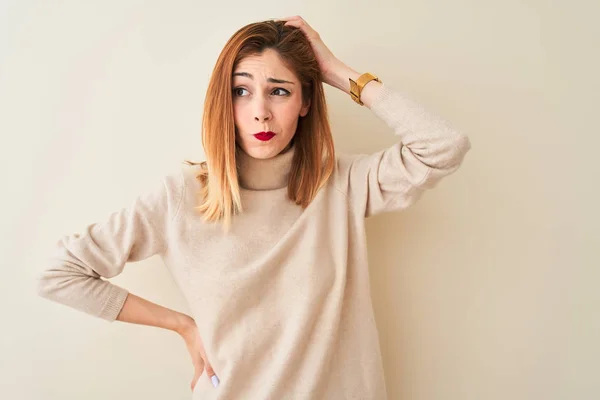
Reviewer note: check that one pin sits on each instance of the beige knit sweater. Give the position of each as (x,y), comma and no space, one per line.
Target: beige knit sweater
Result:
(282,302)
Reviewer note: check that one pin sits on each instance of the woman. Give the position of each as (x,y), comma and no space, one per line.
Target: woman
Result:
(266,238)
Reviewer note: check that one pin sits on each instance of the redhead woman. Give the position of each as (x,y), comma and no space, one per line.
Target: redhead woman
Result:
(265,237)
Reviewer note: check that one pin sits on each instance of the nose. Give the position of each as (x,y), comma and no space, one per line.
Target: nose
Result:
(262,116)
(260,119)
(261,111)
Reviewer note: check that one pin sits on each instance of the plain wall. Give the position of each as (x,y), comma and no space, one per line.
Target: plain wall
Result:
(488,288)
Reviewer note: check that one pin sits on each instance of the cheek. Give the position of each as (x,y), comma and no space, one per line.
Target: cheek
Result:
(285,115)
(291,123)
(237,113)
(241,120)
(289,114)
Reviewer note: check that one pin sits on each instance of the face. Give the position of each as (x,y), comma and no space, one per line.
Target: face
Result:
(267,97)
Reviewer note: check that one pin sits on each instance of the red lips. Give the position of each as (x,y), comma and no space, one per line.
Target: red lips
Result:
(264,136)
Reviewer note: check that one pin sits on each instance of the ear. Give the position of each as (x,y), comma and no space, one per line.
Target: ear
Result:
(304,109)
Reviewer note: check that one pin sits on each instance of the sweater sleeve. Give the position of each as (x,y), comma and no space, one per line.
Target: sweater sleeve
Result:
(395,178)
(77,266)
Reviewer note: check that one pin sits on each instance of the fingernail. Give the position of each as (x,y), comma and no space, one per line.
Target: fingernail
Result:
(215,380)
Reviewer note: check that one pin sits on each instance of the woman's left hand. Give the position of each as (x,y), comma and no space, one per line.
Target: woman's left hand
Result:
(327,61)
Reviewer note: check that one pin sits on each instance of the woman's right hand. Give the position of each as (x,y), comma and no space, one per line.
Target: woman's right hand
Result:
(195,347)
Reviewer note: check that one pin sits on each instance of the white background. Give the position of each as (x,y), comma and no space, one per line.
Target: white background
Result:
(488,288)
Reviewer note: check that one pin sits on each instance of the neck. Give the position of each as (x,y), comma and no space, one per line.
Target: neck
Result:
(264,174)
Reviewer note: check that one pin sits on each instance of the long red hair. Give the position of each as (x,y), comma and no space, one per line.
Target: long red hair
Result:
(314,157)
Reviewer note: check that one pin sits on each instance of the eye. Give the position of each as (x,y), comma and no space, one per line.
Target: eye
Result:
(235,90)
(284,92)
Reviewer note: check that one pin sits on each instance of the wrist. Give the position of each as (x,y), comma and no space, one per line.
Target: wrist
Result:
(340,75)
(183,324)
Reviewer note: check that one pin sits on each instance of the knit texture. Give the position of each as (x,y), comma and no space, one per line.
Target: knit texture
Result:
(282,301)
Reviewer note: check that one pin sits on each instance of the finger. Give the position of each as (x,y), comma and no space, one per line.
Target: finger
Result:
(301,21)
(209,369)
(298,24)
(283,19)
(303,25)
(210,372)
(195,380)
(294,19)
(288,18)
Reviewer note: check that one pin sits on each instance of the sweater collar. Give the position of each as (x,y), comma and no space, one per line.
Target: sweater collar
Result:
(268,174)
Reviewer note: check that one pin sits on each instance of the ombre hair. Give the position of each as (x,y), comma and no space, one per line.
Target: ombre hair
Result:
(314,156)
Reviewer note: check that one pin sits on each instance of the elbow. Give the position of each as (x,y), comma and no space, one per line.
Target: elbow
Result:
(461,145)
(45,285)
(51,283)
(450,158)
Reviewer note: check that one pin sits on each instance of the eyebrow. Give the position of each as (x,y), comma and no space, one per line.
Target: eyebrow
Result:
(272,80)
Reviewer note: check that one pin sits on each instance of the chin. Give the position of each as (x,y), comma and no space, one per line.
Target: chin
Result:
(264,152)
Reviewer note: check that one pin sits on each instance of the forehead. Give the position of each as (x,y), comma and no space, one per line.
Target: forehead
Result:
(268,64)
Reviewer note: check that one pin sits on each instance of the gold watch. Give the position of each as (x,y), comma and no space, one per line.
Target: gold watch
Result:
(357,87)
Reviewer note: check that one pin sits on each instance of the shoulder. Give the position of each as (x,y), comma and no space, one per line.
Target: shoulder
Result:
(191,184)
(345,160)
(341,172)
(176,181)
(189,174)
(172,188)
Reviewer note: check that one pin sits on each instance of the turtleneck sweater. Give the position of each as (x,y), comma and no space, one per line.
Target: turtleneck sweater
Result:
(283,300)
(264,174)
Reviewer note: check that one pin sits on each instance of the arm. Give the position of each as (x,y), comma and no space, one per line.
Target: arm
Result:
(428,150)
(339,79)
(76,270)
(132,234)
(137,310)
(394,178)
